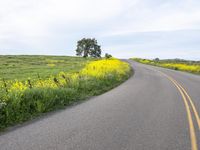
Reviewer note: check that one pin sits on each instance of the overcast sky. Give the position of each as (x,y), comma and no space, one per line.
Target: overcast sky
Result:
(124,28)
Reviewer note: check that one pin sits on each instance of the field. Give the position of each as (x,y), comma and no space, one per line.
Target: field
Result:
(33,85)
(23,67)
(176,64)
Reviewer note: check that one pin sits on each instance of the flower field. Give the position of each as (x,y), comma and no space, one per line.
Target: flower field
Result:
(22,100)
(188,66)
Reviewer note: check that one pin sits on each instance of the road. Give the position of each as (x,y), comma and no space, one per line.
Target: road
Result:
(147,112)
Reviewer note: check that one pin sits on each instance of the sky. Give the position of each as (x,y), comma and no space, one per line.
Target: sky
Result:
(123,28)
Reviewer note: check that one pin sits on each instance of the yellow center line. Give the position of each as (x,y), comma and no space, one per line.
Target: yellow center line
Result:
(189,115)
(192,104)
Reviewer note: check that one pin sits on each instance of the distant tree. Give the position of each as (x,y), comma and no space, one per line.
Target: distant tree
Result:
(156,59)
(107,56)
(88,47)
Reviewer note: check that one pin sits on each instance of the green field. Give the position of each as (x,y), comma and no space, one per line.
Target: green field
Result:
(24,67)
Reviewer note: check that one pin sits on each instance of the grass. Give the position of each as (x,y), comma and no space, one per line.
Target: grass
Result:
(26,98)
(176,64)
(23,67)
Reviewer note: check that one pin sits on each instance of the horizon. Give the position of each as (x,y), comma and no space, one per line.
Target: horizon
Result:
(101,57)
(124,28)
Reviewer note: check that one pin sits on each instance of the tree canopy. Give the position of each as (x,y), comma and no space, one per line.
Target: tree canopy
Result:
(88,47)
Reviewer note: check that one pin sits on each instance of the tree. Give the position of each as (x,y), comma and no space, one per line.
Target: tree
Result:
(88,47)
(107,56)
(156,59)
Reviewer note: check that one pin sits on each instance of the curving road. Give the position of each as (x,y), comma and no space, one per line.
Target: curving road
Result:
(147,112)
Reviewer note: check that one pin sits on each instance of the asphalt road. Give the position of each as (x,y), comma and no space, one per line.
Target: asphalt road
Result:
(147,112)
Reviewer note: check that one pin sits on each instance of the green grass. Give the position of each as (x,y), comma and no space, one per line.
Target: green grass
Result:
(23,67)
(176,64)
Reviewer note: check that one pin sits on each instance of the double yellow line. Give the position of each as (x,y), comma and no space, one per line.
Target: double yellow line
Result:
(188,102)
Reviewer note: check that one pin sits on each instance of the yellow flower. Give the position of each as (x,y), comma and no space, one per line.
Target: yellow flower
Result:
(51,65)
(18,86)
(105,67)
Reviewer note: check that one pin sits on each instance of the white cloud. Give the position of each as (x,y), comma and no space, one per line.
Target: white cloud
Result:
(24,18)
(31,22)
(52,24)
(32,18)
(165,16)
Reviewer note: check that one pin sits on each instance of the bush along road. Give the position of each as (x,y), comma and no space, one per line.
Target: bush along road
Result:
(21,101)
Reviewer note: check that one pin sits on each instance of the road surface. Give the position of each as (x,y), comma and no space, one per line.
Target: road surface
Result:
(147,112)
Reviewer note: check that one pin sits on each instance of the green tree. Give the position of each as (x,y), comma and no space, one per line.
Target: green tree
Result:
(88,47)
(107,56)
(156,59)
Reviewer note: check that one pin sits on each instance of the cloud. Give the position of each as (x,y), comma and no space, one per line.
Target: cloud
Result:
(158,15)
(52,26)
(30,18)
(163,44)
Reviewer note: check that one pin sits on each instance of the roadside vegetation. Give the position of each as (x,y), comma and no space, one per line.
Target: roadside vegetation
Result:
(32,85)
(176,64)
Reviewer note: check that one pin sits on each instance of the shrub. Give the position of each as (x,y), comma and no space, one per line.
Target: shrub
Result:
(107,56)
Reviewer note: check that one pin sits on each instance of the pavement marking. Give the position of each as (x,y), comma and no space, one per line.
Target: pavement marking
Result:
(193,106)
(189,115)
